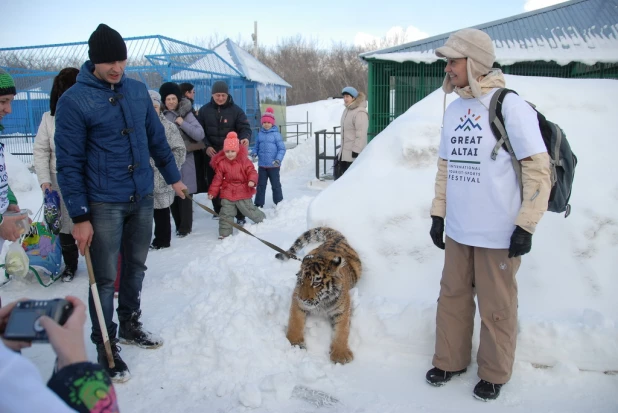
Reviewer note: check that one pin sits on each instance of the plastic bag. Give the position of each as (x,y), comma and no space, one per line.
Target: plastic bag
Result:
(43,248)
(16,260)
(51,211)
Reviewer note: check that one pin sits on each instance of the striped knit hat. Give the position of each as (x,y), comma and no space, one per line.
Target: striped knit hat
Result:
(7,86)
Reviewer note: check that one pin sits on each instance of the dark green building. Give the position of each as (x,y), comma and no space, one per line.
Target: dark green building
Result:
(575,39)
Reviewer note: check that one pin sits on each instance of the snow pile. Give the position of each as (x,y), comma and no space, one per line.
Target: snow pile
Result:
(222,306)
(20,178)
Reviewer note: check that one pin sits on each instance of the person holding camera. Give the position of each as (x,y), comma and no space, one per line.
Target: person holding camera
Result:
(9,229)
(75,385)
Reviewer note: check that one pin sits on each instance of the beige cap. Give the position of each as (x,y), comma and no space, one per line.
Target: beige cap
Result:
(471,43)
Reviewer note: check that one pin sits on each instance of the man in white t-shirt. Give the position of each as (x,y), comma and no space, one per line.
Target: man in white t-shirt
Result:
(489,222)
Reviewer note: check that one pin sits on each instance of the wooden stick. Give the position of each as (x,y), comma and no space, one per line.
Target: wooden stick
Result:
(97,306)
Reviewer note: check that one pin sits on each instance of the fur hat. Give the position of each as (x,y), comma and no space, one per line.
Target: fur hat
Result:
(349,90)
(7,86)
(219,87)
(156,97)
(106,45)
(169,88)
(269,116)
(231,142)
(477,47)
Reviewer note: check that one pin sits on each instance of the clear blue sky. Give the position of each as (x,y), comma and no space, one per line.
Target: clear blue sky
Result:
(36,22)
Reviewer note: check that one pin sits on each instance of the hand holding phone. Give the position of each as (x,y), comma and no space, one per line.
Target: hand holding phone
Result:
(24,322)
(59,322)
(5,312)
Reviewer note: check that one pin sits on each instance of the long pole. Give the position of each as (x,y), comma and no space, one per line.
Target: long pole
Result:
(255,40)
(99,310)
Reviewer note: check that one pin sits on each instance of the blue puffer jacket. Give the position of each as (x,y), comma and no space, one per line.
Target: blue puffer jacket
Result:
(105,136)
(269,147)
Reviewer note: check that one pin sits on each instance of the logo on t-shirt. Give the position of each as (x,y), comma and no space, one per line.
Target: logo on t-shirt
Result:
(464,163)
(469,122)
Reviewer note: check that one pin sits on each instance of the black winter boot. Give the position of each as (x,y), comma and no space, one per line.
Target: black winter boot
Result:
(68,274)
(120,373)
(70,255)
(437,377)
(486,391)
(132,332)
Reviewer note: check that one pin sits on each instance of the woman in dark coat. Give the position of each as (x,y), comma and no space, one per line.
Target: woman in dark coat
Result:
(179,110)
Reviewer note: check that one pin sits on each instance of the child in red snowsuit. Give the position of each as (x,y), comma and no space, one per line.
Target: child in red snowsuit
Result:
(234,182)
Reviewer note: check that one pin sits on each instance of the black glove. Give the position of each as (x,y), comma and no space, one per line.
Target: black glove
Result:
(521,242)
(354,154)
(437,231)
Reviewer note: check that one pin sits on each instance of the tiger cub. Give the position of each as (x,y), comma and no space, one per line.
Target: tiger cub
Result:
(324,281)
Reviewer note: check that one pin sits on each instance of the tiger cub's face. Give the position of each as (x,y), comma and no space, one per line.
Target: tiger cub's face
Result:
(318,279)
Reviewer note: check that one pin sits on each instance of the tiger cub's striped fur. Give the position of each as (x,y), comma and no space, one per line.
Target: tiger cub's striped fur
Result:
(324,281)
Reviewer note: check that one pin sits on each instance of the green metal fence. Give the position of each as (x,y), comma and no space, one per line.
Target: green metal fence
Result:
(394,87)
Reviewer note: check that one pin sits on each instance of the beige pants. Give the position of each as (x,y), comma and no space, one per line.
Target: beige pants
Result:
(491,274)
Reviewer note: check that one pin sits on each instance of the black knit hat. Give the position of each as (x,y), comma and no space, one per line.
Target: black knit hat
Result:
(106,45)
(169,88)
(220,87)
(7,86)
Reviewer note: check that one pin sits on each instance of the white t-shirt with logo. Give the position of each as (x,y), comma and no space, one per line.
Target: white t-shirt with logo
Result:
(482,195)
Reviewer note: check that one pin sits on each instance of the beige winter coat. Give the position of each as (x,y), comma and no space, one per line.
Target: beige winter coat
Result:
(354,125)
(44,155)
(44,152)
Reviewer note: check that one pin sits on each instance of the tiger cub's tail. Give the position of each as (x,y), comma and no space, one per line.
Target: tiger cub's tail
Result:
(313,235)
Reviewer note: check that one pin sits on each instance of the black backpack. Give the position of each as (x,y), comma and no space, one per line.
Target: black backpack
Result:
(563,160)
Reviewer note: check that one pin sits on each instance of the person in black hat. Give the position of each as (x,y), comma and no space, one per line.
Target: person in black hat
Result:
(219,117)
(106,132)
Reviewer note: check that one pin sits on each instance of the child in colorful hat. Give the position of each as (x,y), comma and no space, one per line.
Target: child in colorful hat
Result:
(234,182)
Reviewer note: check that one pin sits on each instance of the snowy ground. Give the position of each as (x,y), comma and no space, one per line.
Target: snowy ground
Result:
(222,307)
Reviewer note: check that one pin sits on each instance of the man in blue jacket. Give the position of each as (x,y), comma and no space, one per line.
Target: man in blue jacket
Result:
(106,132)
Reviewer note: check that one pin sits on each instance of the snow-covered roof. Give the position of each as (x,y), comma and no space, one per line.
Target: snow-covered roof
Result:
(250,67)
(583,31)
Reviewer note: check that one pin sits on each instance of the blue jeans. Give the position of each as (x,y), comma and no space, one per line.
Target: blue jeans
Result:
(116,224)
(265,174)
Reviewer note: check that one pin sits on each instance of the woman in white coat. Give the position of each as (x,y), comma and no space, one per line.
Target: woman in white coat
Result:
(45,167)
(354,125)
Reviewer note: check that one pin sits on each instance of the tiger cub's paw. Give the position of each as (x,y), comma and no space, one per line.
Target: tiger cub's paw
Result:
(281,256)
(297,341)
(341,355)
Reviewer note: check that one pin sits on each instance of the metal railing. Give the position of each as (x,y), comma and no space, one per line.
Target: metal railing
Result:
(323,156)
(20,146)
(299,129)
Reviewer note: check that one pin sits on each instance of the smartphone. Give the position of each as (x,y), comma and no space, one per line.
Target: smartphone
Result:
(23,324)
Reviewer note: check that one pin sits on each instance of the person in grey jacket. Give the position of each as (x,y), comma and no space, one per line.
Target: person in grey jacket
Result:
(163,193)
(178,110)
(44,154)
(354,125)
